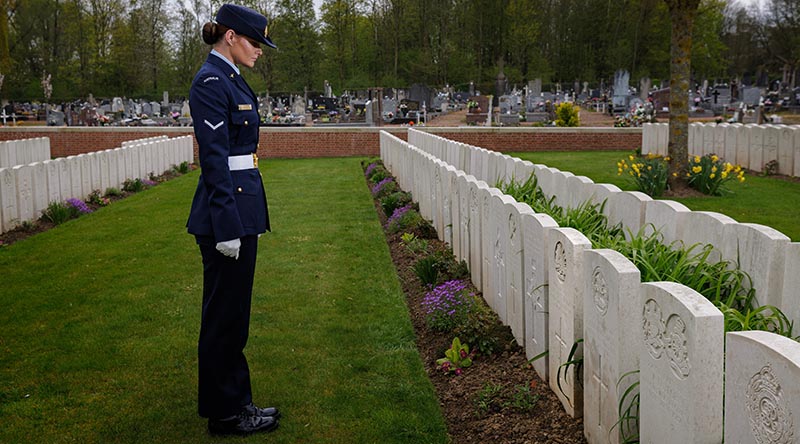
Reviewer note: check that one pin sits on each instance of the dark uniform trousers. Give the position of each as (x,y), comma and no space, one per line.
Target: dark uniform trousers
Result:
(224,377)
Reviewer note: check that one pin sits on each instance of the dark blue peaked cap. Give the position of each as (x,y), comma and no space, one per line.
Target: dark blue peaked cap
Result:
(245,21)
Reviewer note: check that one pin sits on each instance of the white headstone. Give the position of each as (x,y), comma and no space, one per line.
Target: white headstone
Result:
(611,294)
(8,199)
(475,231)
(790,301)
(523,171)
(787,135)
(696,139)
(499,231)
(464,215)
(94,166)
(39,183)
(742,146)
(705,227)
(118,159)
(560,189)
(455,210)
(536,260)
(666,217)
(720,131)
(579,191)
(4,160)
(681,364)
(628,207)
(488,239)
(85,162)
(762,394)
(53,180)
(448,175)
(546,180)
(771,135)
(756,147)
(22,175)
(760,251)
(104,157)
(565,277)
(708,138)
(515,278)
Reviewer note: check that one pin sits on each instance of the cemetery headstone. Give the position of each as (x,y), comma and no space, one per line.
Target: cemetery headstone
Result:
(681,366)
(762,397)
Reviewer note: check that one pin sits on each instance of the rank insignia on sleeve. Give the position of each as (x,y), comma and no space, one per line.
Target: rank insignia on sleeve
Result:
(246,107)
(212,126)
(210,78)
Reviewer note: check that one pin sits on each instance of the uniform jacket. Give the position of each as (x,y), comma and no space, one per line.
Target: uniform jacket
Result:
(227,204)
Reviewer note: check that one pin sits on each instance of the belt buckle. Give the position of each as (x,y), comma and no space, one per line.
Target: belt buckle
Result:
(255,160)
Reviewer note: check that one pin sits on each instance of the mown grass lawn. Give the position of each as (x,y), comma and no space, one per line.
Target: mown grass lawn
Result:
(762,200)
(101,315)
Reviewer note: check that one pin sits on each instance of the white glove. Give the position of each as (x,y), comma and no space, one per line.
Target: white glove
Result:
(230,248)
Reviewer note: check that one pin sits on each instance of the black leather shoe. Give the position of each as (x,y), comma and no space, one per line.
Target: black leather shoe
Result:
(243,424)
(254,410)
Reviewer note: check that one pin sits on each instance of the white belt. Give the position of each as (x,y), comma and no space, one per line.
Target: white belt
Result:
(243,162)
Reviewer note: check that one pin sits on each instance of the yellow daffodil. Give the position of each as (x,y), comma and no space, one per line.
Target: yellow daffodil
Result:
(741,179)
(631,157)
(714,158)
(724,174)
(712,176)
(619,171)
(738,168)
(667,158)
(696,159)
(714,169)
(697,169)
(674,174)
(649,168)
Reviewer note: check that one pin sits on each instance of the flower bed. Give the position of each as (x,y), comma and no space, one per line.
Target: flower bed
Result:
(498,397)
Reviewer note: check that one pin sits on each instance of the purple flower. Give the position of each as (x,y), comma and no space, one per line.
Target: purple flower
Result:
(370,168)
(148,182)
(458,372)
(379,186)
(79,205)
(397,214)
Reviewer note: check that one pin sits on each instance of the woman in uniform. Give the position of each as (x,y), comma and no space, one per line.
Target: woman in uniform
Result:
(228,214)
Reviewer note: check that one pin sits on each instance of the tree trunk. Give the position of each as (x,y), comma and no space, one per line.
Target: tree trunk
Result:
(682,13)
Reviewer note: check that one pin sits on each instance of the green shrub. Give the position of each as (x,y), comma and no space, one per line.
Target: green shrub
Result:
(427,270)
(384,188)
(133,185)
(60,212)
(393,201)
(649,173)
(480,328)
(413,243)
(183,168)
(567,115)
(113,192)
(406,218)
(708,174)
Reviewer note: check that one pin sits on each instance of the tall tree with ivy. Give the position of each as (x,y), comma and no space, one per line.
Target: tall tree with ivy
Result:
(682,14)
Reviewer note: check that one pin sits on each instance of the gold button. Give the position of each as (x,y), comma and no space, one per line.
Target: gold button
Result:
(231,75)
(239,189)
(245,123)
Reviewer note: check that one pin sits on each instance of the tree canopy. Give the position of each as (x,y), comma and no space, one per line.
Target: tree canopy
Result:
(140,48)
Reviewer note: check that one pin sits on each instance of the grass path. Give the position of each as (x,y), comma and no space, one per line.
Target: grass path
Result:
(100,320)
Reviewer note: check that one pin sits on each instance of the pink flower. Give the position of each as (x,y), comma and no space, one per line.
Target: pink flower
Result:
(458,372)
(463,354)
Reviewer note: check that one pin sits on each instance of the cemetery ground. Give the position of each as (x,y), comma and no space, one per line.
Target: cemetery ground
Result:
(102,313)
(101,316)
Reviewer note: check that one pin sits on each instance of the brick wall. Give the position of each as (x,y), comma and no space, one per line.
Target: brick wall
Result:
(292,142)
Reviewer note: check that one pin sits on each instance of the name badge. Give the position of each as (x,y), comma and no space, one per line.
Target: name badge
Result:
(247,107)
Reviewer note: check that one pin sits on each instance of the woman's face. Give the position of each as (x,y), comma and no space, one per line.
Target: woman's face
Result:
(245,51)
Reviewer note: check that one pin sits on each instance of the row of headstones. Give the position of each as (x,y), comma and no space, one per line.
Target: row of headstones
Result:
(23,152)
(547,284)
(26,190)
(767,255)
(751,146)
